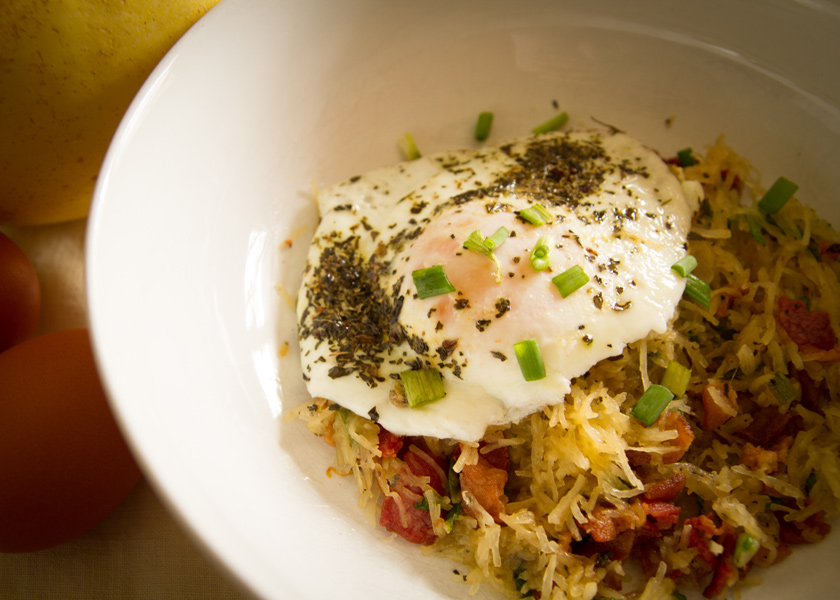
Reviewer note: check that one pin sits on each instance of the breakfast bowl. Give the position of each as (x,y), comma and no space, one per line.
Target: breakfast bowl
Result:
(205,208)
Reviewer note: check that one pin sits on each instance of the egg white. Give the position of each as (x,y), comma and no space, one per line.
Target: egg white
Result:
(618,211)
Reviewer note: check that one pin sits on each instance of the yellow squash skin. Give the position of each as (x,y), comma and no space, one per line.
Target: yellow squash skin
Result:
(68,71)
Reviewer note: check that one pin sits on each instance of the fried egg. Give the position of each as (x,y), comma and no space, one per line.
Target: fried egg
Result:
(610,208)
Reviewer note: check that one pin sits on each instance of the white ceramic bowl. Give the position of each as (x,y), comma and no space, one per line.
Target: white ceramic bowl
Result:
(189,280)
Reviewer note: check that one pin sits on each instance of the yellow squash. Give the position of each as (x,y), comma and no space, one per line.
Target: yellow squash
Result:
(68,70)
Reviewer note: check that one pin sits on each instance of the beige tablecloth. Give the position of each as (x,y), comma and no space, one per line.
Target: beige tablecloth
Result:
(140,550)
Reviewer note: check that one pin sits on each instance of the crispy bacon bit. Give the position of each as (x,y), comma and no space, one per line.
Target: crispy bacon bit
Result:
(676,421)
(605,523)
(807,329)
(417,527)
(728,298)
(667,489)
(811,530)
(389,444)
(756,458)
(665,514)
(769,425)
(419,465)
(720,403)
(725,574)
(412,523)
(486,483)
(814,396)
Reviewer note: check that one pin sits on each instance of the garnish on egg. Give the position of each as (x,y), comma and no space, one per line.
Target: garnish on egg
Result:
(453,259)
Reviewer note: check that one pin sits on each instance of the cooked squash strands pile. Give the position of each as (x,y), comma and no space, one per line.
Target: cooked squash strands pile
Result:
(691,458)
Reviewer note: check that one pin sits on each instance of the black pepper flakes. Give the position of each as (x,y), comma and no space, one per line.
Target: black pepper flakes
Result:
(502,306)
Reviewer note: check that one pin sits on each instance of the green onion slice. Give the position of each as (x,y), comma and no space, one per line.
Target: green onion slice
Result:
(536,214)
(777,196)
(746,547)
(452,516)
(754,223)
(783,388)
(431,281)
(497,239)
(685,265)
(570,280)
(686,157)
(477,243)
(655,399)
(552,124)
(408,147)
(422,387)
(530,359)
(541,253)
(483,125)
(698,290)
(676,378)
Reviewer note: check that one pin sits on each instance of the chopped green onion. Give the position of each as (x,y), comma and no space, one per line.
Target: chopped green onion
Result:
(483,125)
(497,239)
(685,265)
(786,225)
(552,124)
(541,253)
(810,482)
(652,403)
(777,196)
(783,388)
(408,147)
(452,516)
(678,596)
(345,421)
(530,359)
(746,548)
(477,243)
(686,157)
(754,224)
(536,214)
(676,378)
(422,387)
(570,280)
(698,290)
(431,281)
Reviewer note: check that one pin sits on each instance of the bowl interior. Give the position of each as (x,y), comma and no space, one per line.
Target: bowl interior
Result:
(204,210)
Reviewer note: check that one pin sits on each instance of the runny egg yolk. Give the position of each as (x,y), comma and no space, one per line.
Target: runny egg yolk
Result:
(616,211)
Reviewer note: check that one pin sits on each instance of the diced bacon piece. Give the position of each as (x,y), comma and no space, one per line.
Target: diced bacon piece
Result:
(486,484)
(389,443)
(605,523)
(756,458)
(805,327)
(720,403)
(667,489)
(676,421)
(666,514)
(725,574)
(728,298)
(499,458)
(417,526)
(811,530)
(814,396)
(423,464)
(768,425)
